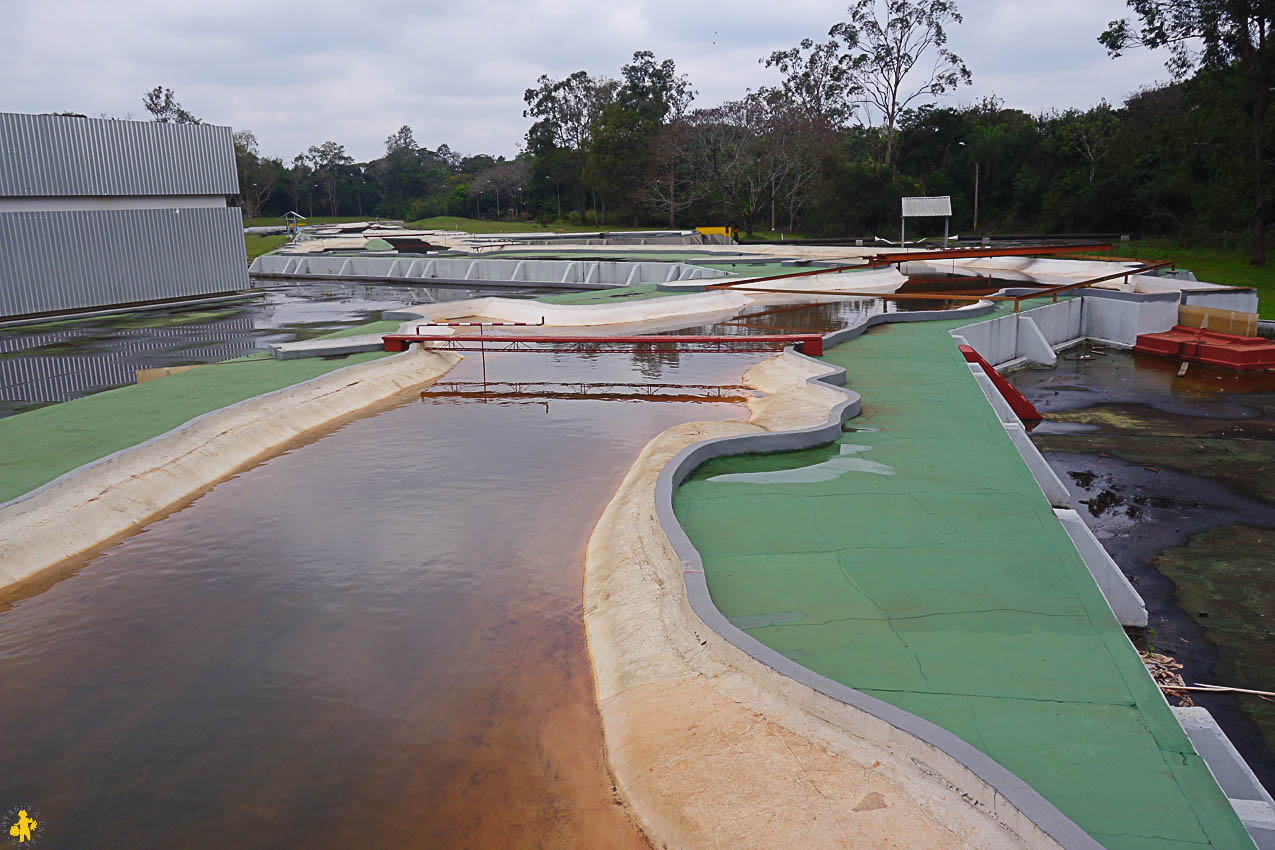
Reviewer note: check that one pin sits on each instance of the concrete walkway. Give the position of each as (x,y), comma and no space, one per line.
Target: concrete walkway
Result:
(919,562)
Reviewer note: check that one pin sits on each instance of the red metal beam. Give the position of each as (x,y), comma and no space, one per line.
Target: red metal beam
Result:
(970,253)
(1025,410)
(811,344)
(883,260)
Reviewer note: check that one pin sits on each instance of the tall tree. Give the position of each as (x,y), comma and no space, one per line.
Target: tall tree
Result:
(1090,133)
(654,89)
(329,162)
(1235,34)
(565,109)
(258,175)
(619,154)
(400,141)
(815,80)
(163,106)
(885,41)
(300,179)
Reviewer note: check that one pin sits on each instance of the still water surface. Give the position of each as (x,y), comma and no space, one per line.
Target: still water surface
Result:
(372,640)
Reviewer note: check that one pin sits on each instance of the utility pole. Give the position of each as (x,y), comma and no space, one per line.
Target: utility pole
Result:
(976,194)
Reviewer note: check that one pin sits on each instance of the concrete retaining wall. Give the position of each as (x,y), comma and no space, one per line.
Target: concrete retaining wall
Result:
(1250,800)
(1239,300)
(1031,336)
(986,784)
(591,274)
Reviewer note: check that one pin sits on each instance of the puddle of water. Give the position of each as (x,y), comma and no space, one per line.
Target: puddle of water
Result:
(63,359)
(372,640)
(820,317)
(1172,474)
(846,460)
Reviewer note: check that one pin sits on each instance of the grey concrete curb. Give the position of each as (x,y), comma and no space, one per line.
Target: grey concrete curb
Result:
(454,283)
(1015,791)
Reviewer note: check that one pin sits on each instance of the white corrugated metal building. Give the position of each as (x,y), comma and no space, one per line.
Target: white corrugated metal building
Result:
(99,212)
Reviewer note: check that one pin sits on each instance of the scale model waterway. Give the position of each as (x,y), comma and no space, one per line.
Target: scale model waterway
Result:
(374,639)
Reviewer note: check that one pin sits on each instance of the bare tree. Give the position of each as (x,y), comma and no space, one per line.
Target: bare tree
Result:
(257,175)
(669,185)
(505,178)
(795,140)
(885,41)
(733,159)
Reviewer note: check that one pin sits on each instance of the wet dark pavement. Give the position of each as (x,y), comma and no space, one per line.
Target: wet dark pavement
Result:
(63,359)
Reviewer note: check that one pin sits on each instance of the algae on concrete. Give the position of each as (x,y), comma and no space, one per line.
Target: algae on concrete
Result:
(1220,577)
(948,588)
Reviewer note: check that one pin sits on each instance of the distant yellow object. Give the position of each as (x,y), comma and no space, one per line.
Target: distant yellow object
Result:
(728,232)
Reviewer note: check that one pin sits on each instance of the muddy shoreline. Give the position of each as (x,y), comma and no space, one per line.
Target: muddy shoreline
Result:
(1168,473)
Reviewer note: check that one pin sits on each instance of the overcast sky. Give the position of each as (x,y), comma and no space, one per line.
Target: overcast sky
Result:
(299,74)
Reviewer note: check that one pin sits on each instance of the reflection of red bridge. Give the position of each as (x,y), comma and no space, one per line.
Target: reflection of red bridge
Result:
(531,390)
(811,344)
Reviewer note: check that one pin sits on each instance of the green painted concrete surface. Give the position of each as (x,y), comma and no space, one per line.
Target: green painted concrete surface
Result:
(617,295)
(921,564)
(39,445)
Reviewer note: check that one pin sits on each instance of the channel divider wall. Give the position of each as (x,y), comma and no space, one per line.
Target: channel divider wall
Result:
(1114,319)
(985,784)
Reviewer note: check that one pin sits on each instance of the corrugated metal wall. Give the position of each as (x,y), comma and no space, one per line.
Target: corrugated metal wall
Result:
(77,260)
(57,155)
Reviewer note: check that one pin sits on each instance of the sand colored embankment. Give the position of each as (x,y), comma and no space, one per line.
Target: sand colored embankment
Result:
(90,505)
(713,749)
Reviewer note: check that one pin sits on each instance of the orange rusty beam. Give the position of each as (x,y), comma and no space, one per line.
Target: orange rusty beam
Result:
(883,260)
(879,260)
(1054,290)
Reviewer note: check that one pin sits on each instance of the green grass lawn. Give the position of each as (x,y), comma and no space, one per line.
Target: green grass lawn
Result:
(1215,265)
(256,244)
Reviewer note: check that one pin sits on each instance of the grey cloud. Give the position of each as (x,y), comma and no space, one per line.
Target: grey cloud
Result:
(456,72)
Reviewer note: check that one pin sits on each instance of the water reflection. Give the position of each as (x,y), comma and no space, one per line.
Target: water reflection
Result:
(63,359)
(373,640)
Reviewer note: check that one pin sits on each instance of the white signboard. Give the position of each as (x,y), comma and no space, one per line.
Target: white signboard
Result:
(925,207)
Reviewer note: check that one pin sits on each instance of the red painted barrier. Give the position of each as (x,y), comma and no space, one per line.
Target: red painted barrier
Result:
(1243,353)
(1023,408)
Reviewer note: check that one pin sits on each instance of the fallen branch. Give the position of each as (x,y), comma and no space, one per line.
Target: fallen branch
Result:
(1220,689)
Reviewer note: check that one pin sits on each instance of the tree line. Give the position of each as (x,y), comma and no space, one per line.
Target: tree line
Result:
(851,124)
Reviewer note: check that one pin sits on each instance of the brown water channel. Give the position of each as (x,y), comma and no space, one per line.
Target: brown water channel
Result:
(1175,475)
(371,640)
(374,639)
